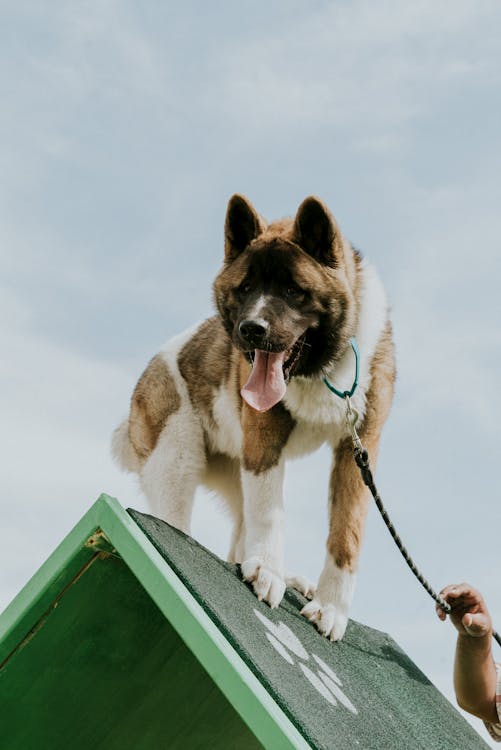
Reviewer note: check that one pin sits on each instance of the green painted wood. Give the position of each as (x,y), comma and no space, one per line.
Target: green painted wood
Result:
(42,590)
(106,670)
(229,671)
(22,624)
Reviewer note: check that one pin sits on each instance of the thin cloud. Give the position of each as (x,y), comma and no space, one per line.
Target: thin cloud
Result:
(336,66)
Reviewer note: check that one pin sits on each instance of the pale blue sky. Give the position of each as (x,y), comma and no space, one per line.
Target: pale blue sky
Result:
(125,128)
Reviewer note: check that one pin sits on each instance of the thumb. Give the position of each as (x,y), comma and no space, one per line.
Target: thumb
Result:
(476,625)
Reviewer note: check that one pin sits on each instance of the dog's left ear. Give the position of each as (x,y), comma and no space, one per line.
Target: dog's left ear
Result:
(315,231)
(243,224)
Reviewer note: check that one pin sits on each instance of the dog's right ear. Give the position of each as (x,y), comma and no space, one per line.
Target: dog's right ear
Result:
(242,225)
(315,231)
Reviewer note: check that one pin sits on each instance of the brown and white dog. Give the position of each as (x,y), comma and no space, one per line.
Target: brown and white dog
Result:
(226,403)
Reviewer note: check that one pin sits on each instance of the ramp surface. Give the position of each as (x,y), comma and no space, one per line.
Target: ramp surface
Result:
(363,692)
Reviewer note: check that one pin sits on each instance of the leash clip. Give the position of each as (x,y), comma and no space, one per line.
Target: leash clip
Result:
(351,421)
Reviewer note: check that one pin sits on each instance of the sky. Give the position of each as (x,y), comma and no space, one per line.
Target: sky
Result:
(126,127)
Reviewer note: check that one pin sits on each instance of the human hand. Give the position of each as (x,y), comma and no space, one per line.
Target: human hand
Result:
(469,614)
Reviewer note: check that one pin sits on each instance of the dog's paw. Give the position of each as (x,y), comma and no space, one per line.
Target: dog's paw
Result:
(301,584)
(330,607)
(268,585)
(330,620)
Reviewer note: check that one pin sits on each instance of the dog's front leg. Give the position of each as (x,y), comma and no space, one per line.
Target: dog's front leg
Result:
(348,501)
(262,471)
(263,562)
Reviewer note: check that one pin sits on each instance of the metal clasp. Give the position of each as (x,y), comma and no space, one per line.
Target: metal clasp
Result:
(351,421)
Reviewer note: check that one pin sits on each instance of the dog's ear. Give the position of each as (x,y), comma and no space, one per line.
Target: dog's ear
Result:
(315,230)
(242,225)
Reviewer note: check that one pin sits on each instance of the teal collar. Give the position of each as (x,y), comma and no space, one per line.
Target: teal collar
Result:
(349,394)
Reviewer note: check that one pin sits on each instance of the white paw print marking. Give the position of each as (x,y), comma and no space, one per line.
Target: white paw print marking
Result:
(284,635)
(278,647)
(324,679)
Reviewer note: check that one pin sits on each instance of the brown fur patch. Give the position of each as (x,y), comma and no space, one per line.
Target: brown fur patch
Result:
(154,399)
(205,363)
(382,387)
(348,494)
(244,371)
(348,509)
(265,434)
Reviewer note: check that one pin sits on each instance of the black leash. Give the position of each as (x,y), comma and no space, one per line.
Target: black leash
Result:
(362,460)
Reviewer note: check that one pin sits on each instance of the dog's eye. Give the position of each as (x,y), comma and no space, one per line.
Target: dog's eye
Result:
(245,288)
(294,292)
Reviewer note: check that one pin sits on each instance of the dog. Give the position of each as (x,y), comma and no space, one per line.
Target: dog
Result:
(227,402)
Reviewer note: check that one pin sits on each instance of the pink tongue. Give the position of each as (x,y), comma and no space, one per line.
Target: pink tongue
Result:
(266,385)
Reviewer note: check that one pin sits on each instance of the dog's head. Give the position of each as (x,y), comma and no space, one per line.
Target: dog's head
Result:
(285,294)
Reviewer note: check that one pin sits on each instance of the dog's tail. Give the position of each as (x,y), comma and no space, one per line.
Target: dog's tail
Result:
(122,449)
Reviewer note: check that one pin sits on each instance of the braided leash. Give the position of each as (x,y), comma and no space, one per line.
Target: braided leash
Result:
(362,460)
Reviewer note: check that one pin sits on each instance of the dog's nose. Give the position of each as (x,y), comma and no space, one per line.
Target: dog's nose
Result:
(253,331)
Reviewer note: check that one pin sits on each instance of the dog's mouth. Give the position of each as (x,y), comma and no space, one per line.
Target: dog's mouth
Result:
(271,371)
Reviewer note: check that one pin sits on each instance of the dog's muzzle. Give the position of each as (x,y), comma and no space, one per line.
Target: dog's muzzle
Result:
(253,333)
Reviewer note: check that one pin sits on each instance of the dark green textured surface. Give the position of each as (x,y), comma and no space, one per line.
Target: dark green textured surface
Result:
(397,707)
(104,669)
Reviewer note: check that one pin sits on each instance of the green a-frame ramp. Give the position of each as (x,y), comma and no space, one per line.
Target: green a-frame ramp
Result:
(132,635)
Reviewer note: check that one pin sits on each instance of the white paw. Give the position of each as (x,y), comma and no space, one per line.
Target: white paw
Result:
(268,585)
(330,620)
(301,584)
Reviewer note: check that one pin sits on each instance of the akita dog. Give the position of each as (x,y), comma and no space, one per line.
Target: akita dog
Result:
(226,403)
